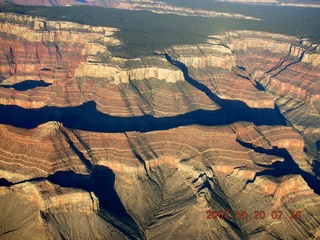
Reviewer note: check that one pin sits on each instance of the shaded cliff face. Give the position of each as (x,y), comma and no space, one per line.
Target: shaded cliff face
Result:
(159,178)
(288,70)
(75,60)
(216,66)
(97,146)
(263,70)
(260,69)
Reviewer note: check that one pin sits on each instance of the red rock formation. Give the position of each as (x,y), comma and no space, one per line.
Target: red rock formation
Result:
(35,153)
(68,56)
(44,210)
(100,3)
(46,50)
(179,175)
(288,69)
(275,136)
(216,67)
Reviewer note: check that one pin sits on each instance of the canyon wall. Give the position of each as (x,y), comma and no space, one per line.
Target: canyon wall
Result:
(216,67)
(76,60)
(288,69)
(162,178)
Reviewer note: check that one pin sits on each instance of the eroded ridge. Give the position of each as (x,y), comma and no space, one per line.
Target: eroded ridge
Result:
(288,70)
(75,62)
(160,178)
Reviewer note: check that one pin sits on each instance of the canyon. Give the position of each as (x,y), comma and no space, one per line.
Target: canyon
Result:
(159,7)
(98,146)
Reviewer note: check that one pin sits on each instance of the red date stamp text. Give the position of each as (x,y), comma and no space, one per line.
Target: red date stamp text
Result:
(256,215)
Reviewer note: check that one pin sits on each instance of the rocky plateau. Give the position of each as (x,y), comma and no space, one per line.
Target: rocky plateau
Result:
(159,7)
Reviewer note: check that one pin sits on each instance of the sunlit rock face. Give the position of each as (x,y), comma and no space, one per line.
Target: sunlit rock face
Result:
(288,69)
(161,178)
(260,69)
(216,66)
(34,48)
(62,181)
(75,59)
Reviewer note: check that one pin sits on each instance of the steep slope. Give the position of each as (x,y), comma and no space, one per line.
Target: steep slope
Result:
(288,71)
(263,70)
(75,59)
(167,182)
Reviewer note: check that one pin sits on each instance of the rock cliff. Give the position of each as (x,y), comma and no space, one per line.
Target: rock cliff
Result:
(162,178)
(46,50)
(216,66)
(76,60)
(287,68)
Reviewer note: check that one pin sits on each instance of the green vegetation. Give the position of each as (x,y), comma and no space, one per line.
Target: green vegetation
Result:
(296,21)
(102,57)
(143,32)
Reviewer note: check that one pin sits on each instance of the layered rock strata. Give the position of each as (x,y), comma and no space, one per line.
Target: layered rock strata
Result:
(44,210)
(75,59)
(263,70)
(166,181)
(216,66)
(288,70)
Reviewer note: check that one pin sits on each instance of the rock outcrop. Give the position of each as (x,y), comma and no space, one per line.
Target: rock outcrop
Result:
(216,66)
(118,76)
(46,50)
(287,68)
(75,59)
(100,3)
(167,181)
(44,210)
(37,158)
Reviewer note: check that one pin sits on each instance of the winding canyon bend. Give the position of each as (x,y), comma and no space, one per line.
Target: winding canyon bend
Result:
(98,146)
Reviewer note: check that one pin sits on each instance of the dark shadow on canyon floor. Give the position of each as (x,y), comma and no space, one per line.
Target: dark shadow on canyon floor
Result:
(318,145)
(100,181)
(26,85)
(4,182)
(87,117)
(286,167)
